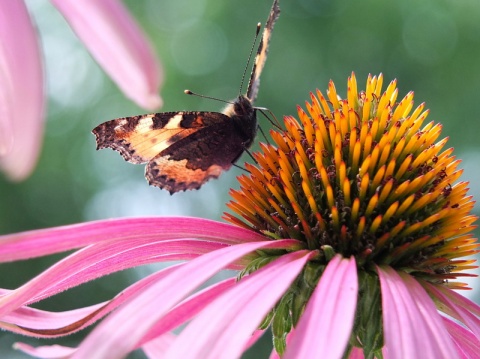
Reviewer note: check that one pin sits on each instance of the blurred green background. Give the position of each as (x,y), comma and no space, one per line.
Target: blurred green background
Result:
(430,46)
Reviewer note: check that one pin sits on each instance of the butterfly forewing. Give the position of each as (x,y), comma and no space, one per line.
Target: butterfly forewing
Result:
(140,138)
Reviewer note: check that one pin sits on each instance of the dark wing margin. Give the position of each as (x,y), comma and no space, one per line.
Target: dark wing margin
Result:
(262,51)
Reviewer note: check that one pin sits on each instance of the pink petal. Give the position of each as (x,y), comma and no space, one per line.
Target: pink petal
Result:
(119,334)
(42,323)
(187,309)
(224,327)
(21,92)
(326,325)
(97,260)
(411,322)
(457,306)
(38,323)
(118,45)
(356,353)
(156,349)
(466,342)
(47,351)
(41,242)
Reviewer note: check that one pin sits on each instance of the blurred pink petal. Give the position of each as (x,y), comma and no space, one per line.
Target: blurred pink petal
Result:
(117,43)
(21,92)
(411,322)
(223,328)
(333,305)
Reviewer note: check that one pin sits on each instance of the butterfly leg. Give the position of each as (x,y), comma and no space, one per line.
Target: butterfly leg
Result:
(263,134)
(250,154)
(240,167)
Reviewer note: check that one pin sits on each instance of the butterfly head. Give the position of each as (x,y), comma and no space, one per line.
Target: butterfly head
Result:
(244,117)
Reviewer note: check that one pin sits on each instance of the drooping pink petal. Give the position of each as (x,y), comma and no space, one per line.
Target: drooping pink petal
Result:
(465,340)
(130,323)
(47,351)
(97,260)
(223,328)
(457,306)
(187,309)
(21,92)
(411,322)
(117,43)
(328,318)
(53,324)
(42,242)
(38,323)
(50,324)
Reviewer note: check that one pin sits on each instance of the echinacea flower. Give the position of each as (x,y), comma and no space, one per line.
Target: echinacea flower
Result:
(112,37)
(354,233)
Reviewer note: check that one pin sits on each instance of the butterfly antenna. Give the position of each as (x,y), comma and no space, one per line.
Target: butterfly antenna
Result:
(259,26)
(188,92)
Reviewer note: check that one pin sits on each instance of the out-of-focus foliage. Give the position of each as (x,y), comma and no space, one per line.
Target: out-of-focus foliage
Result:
(431,47)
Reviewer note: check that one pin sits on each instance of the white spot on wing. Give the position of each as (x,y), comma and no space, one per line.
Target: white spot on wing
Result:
(174,122)
(146,122)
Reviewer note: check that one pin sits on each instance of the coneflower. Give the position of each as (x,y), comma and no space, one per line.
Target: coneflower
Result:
(355,230)
(362,177)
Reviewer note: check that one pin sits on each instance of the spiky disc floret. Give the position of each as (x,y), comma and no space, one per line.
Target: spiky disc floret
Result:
(364,176)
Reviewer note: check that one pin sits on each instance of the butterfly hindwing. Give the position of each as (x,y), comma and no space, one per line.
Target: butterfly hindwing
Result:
(193,160)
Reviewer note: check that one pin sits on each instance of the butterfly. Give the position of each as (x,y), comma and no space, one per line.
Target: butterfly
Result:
(185,149)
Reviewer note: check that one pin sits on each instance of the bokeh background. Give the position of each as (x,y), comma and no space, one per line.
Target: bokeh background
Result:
(430,46)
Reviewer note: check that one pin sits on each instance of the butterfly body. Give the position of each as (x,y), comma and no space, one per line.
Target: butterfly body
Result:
(185,149)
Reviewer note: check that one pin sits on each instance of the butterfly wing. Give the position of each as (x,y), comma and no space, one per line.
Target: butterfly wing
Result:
(192,161)
(141,138)
(183,149)
(262,51)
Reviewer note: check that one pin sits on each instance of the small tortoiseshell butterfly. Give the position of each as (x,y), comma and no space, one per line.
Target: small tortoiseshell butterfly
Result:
(185,149)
